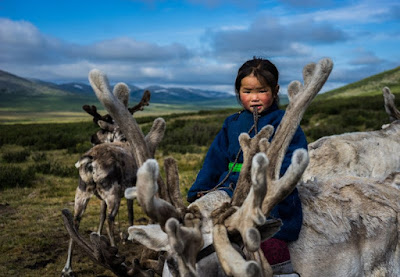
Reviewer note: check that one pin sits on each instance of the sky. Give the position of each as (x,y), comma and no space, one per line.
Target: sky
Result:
(194,43)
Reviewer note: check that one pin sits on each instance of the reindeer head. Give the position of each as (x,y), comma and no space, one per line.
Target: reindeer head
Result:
(109,131)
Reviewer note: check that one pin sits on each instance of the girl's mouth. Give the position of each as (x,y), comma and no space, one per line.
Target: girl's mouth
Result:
(258,107)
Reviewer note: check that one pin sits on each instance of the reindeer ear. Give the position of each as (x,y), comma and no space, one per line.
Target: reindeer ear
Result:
(106,126)
(150,236)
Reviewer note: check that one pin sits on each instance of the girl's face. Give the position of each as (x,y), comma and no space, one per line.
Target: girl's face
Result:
(254,95)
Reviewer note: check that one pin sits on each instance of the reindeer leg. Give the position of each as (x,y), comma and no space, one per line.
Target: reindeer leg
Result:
(130,211)
(81,201)
(103,212)
(113,203)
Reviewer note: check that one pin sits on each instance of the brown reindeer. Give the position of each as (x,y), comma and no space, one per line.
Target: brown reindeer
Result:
(109,167)
(350,222)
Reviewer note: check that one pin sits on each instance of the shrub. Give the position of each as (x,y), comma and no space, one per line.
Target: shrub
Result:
(47,136)
(80,148)
(55,169)
(63,171)
(188,133)
(15,156)
(14,176)
(39,157)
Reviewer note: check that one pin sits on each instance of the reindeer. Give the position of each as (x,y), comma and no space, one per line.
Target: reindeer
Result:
(362,154)
(350,196)
(350,223)
(108,168)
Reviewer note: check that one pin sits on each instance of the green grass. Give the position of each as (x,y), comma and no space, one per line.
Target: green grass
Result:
(30,215)
(33,241)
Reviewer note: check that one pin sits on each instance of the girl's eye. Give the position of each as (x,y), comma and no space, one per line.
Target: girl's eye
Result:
(263,91)
(246,91)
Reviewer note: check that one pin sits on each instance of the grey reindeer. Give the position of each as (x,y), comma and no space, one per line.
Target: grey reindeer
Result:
(350,223)
(109,167)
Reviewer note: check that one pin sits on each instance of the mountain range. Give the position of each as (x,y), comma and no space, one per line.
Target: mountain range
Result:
(25,100)
(13,85)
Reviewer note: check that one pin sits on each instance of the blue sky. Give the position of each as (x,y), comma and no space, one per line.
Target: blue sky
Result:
(196,43)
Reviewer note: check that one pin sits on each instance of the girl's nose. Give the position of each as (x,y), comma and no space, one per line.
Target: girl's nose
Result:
(254,97)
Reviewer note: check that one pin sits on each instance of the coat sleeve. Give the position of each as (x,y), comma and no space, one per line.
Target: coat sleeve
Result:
(215,164)
(290,210)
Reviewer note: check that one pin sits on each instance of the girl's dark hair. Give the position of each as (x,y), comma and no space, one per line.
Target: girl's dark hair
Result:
(264,70)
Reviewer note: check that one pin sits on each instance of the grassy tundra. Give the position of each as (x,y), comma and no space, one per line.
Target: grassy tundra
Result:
(38,177)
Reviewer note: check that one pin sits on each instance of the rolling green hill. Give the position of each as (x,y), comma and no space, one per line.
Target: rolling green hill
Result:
(13,85)
(370,86)
(356,107)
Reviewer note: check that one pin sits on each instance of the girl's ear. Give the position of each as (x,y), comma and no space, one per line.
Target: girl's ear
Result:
(277,89)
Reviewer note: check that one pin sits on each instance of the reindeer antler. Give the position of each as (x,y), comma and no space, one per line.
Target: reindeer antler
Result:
(143,102)
(300,97)
(92,110)
(156,208)
(390,106)
(121,115)
(101,252)
(186,241)
(121,91)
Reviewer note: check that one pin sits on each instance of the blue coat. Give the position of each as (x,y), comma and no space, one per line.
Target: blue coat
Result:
(224,149)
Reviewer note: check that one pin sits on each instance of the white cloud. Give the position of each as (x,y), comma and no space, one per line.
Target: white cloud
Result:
(364,12)
(271,37)
(153,72)
(129,49)
(364,57)
(17,32)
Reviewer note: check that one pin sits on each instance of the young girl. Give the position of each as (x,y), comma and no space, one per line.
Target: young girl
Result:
(256,89)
